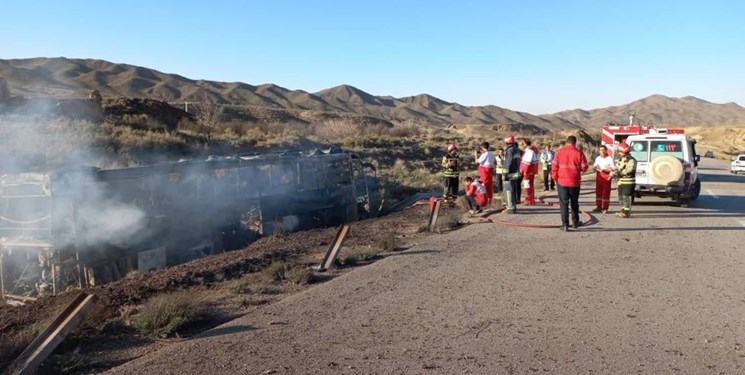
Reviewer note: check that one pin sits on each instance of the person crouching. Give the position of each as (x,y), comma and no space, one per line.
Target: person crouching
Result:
(476,195)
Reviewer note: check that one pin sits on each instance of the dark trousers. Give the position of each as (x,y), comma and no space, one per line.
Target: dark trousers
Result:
(472,205)
(569,196)
(519,190)
(451,186)
(548,181)
(498,185)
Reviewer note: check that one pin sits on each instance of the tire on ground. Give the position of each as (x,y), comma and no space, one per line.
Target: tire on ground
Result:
(665,169)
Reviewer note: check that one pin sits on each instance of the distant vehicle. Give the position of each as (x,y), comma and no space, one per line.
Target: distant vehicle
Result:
(738,164)
(667,166)
(709,154)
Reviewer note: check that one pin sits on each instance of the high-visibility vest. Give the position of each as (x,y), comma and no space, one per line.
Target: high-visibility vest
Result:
(451,165)
(499,169)
(626,169)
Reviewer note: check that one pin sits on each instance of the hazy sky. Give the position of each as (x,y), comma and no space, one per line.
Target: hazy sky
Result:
(535,56)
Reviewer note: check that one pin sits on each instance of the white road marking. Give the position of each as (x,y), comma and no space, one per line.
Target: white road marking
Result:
(712,194)
(742,222)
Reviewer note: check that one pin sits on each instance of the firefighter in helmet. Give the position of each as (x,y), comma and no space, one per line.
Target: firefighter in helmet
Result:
(625,171)
(511,175)
(451,170)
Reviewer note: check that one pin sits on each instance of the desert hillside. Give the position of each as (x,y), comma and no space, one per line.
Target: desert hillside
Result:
(74,77)
(662,111)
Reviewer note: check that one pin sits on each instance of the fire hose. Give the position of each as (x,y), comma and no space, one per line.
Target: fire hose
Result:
(588,218)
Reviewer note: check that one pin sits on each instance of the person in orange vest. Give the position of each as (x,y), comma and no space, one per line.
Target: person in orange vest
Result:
(475,195)
(529,168)
(486,162)
(603,167)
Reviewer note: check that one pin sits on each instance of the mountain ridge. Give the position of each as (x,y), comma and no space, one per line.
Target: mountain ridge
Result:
(61,76)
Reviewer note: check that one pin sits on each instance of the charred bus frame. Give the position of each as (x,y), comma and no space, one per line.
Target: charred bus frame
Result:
(188,210)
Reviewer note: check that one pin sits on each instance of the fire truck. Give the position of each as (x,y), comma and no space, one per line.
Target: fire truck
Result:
(614,134)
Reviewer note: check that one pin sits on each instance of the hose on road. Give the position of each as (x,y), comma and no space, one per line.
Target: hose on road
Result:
(588,218)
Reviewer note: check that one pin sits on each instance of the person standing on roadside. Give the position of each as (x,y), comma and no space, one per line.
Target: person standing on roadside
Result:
(625,170)
(547,158)
(499,170)
(567,168)
(511,174)
(486,164)
(529,168)
(451,171)
(603,167)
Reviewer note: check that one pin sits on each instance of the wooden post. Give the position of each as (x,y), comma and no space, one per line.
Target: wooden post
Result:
(333,251)
(434,214)
(44,344)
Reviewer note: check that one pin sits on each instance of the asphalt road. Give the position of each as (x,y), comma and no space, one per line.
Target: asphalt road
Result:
(660,293)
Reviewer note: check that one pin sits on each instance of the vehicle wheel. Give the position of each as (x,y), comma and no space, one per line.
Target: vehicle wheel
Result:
(683,201)
(695,189)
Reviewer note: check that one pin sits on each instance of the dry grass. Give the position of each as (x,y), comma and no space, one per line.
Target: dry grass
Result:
(12,346)
(388,242)
(277,271)
(166,314)
(447,223)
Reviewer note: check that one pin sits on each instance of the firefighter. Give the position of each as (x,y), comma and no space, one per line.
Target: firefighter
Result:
(625,171)
(499,170)
(529,168)
(486,164)
(603,167)
(511,174)
(547,157)
(475,195)
(451,170)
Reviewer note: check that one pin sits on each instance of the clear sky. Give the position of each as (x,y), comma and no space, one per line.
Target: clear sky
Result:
(534,56)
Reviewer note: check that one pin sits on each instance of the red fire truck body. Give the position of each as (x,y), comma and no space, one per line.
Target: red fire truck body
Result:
(614,134)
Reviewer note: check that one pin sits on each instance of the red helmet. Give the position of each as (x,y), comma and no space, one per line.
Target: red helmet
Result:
(452,147)
(510,139)
(623,148)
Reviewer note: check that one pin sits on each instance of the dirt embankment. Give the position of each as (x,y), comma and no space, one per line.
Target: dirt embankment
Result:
(724,142)
(372,237)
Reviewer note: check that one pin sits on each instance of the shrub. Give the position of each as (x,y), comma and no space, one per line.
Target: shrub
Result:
(164,315)
(388,242)
(277,271)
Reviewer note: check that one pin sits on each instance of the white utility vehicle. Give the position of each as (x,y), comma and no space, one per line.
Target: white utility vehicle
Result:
(738,164)
(666,166)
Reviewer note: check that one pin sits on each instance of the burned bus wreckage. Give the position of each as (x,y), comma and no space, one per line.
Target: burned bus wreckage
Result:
(82,227)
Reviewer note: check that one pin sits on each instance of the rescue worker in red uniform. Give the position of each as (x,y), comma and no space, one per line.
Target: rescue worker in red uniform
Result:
(603,167)
(569,164)
(486,162)
(475,195)
(529,168)
(511,176)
